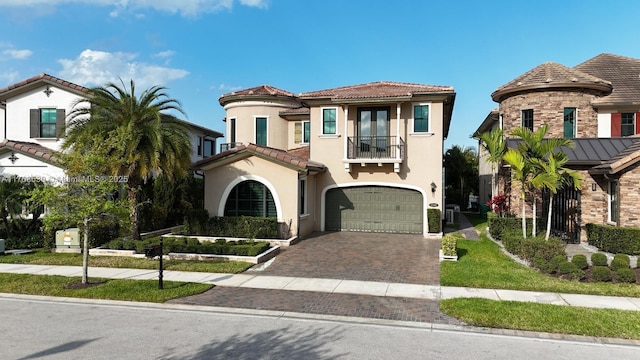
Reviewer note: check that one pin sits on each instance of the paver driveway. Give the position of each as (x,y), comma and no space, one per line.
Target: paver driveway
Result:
(361,256)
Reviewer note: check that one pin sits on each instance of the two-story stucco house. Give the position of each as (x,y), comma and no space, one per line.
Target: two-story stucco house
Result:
(34,112)
(356,158)
(597,104)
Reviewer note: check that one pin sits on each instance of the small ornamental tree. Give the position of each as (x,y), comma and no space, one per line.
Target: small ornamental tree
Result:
(83,196)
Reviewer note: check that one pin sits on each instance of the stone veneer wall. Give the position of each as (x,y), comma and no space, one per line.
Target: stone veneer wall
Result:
(548,108)
(630,197)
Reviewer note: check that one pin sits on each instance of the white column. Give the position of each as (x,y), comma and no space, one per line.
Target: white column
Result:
(398,108)
(346,128)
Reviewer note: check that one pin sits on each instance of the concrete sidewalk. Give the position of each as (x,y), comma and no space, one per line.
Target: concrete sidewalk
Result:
(335,286)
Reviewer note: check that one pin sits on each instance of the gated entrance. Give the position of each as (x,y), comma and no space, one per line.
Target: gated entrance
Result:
(565,214)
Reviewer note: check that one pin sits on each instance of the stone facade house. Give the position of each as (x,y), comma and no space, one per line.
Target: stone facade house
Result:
(363,157)
(597,104)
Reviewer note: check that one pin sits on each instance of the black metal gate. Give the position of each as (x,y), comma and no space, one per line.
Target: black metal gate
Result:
(565,213)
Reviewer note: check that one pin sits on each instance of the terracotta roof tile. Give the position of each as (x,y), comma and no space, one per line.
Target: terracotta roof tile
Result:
(380,89)
(297,157)
(257,91)
(550,75)
(623,72)
(45,78)
(295,111)
(33,149)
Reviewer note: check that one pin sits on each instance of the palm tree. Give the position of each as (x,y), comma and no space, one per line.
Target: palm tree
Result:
(136,133)
(520,171)
(12,197)
(554,176)
(494,144)
(461,165)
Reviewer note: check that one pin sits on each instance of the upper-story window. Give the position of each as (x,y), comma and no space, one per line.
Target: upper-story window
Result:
(261,131)
(232,130)
(329,121)
(47,123)
(302,132)
(209,146)
(420,118)
(200,145)
(527,119)
(627,124)
(570,123)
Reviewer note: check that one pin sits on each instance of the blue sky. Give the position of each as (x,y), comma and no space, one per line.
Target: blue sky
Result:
(201,49)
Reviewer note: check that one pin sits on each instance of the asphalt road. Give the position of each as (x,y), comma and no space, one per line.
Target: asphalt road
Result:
(33,329)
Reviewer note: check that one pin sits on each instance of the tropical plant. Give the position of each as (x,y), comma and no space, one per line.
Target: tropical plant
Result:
(138,136)
(494,144)
(461,171)
(520,173)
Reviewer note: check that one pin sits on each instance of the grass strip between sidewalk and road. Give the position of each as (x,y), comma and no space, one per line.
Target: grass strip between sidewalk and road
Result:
(544,317)
(126,290)
(43,257)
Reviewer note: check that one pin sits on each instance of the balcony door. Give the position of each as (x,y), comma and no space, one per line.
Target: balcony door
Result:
(373,132)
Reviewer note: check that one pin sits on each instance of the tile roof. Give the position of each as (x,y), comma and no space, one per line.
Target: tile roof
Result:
(551,75)
(298,158)
(295,111)
(35,80)
(623,72)
(592,151)
(256,91)
(380,89)
(32,149)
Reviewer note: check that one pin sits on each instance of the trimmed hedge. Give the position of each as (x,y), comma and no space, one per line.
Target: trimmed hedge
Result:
(101,231)
(626,276)
(199,223)
(618,264)
(530,248)
(449,245)
(614,239)
(601,273)
(499,224)
(581,261)
(193,246)
(435,220)
(555,262)
(599,259)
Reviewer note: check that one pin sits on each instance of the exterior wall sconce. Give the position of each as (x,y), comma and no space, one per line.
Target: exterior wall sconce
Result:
(433,187)
(593,187)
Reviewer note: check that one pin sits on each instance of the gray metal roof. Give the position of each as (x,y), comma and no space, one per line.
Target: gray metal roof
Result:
(591,151)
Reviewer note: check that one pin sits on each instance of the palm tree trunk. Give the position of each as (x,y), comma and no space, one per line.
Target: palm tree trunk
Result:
(85,252)
(524,219)
(535,216)
(546,237)
(134,212)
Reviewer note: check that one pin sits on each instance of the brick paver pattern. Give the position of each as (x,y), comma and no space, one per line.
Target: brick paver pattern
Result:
(408,259)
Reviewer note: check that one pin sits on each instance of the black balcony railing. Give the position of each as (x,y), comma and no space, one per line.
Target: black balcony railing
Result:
(229,146)
(374,147)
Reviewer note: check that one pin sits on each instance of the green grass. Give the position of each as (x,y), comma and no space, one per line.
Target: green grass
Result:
(128,290)
(545,317)
(43,257)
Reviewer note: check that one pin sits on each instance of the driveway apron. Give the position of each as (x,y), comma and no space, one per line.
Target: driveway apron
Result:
(361,256)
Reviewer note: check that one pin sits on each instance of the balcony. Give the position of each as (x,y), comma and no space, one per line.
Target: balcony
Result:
(229,146)
(375,149)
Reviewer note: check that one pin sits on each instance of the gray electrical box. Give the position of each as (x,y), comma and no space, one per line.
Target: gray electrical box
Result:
(68,239)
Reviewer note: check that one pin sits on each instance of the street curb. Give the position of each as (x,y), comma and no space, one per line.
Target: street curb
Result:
(436,327)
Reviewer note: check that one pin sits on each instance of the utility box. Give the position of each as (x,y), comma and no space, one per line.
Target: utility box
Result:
(1,246)
(68,240)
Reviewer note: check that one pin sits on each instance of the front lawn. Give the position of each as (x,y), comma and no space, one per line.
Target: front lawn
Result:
(43,257)
(127,290)
(545,317)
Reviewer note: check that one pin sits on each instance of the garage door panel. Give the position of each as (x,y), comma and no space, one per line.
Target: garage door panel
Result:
(374,209)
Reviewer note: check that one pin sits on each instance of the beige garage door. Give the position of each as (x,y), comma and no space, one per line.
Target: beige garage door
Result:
(374,209)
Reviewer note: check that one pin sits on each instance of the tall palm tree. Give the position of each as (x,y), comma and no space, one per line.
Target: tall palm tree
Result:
(461,165)
(136,133)
(494,144)
(520,172)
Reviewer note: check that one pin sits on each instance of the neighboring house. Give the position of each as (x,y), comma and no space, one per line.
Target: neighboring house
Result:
(356,158)
(34,113)
(597,104)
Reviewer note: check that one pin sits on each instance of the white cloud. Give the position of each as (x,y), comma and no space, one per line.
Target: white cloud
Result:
(9,77)
(164,54)
(184,7)
(227,88)
(96,68)
(18,54)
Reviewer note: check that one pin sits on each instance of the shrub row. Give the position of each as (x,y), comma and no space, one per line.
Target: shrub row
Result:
(499,224)
(199,223)
(435,220)
(614,239)
(192,245)
(531,247)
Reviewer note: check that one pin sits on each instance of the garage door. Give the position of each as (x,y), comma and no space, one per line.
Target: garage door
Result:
(374,209)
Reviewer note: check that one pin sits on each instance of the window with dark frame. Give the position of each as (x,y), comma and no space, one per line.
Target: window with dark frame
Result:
(527,119)
(627,124)
(570,122)
(48,123)
(329,121)
(421,118)
(250,198)
(303,193)
(232,130)
(261,131)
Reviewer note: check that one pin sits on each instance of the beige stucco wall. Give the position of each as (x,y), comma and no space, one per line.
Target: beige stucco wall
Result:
(245,113)
(282,182)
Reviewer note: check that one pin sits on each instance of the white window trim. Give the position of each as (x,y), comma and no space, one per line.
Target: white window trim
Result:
(322,133)
(255,132)
(429,131)
(302,135)
(609,220)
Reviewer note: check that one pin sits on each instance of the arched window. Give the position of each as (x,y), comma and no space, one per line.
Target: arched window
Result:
(250,198)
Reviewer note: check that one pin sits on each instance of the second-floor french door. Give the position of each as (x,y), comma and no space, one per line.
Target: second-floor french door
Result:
(373,132)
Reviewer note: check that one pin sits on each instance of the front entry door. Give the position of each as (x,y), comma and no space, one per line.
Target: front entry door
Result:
(373,133)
